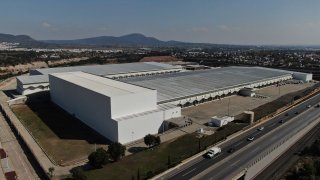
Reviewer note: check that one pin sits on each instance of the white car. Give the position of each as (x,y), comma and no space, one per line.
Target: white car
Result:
(213,152)
(250,138)
(210,154)
(261,128)
(309,106)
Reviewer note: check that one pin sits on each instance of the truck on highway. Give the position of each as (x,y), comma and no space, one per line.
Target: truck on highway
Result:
(213,152)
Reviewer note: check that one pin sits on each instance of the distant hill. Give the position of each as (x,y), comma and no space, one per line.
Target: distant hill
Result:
(130,40)
(24,40)
(126,40)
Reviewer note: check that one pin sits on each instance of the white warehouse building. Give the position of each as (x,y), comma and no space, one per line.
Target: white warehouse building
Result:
(38,79)
(119,111)
(125,102)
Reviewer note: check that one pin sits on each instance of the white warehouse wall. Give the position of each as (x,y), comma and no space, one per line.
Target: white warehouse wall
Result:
(302,76)
(133,103)
(138,126)
(90,107)
(172,113)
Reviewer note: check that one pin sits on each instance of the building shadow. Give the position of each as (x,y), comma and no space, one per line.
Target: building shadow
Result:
(136,149)
(64,125)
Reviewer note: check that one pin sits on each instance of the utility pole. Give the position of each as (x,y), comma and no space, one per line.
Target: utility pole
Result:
(229,106)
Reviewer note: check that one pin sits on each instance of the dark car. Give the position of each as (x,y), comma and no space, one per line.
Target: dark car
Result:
(231,150)
(281,121)
(287,114)
(296,112)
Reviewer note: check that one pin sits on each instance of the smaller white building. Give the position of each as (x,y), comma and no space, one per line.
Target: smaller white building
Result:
(306,77)
(31,84)
(249,92)
(221,121)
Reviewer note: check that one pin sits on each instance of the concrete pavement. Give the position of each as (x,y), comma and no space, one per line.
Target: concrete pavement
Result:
(31,143)
(16,154)
(199,161)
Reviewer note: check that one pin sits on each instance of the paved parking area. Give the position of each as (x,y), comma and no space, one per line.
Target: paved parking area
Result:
(237,104)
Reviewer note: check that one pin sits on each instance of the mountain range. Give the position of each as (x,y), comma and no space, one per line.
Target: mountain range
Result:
(23,40)
(126,40)
(129,40)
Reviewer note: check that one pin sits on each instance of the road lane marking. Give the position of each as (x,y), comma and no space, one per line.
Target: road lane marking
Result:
(272,125)
(181,169)
(189,171)
(238,143)
(235,163)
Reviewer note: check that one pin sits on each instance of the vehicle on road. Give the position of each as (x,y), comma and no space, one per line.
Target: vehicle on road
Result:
(296,112)
(309,106)
(251,138)
(261,128)
(213,152)
(318,105)
(287,114)
(281,121)
(231,150)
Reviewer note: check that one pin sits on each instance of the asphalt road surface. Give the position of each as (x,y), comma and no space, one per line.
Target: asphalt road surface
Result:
(288,119)
(17,156)
(290,157)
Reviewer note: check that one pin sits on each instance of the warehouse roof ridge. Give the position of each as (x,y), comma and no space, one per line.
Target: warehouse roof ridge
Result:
(99,84)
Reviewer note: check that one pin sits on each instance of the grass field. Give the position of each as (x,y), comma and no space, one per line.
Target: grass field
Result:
(154,161)
(63,137)
(148,162)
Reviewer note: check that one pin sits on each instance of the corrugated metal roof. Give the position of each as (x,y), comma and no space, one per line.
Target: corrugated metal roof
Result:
(99,84)
(99,70)
(179,85)
(110,69)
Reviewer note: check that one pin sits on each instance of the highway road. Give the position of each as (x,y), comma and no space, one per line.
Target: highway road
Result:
(290,122)
(17,155)
(278,167)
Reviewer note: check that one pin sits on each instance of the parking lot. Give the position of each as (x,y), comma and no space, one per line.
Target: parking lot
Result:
(235,105)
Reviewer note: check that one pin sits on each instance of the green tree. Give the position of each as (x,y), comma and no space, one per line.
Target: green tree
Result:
(78,173)
(309,169)
(149,140)
(116,150)
(98,158)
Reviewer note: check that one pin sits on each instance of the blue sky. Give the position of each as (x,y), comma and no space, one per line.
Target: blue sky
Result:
(214,21)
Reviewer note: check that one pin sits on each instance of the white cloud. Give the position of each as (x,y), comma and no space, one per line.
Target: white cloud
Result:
(224,27)
(105,28)
(46,25)
(200,29)
(312,24)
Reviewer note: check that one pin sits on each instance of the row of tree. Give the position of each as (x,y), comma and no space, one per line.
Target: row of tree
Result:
(101,157)
(114,153)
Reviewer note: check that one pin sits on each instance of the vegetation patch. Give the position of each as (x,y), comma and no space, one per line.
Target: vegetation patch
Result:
(159,158)
(63,137)
(272,107)
(308,166)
